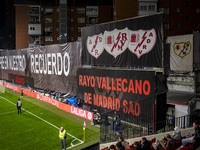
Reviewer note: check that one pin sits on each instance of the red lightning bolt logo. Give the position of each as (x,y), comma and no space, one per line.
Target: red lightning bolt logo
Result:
(115,44)
(95,44)
(143,39)
(182,50)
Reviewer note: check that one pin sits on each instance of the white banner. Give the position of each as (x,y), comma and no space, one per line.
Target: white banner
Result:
(181,53)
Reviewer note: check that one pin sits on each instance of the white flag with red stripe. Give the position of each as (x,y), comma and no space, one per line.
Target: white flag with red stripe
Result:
(84,125)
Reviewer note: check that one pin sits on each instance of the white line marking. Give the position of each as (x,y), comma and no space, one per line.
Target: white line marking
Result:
(81,142)
(8,112)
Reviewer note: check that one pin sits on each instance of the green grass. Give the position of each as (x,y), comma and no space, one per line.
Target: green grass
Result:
(27,132)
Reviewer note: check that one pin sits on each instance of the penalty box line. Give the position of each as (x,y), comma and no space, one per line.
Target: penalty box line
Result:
(81,142)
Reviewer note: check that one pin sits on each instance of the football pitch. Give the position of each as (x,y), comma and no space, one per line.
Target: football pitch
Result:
(38,125)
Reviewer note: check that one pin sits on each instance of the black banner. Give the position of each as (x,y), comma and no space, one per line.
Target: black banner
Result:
(114,89)
(52,67)
(135,42)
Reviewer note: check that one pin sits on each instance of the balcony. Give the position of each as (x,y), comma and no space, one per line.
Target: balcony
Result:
(34,29)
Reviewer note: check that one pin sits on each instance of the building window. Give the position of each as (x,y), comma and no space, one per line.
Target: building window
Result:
(48,20)
(187,18)
(79,29)
(166,26)
(48,29)
(178,10)
(93,20)
(72,38)
(81,20)
(48,11)
(198,10)
(164,10)
(143,7)
(81,10)
(72,19)
(79,39)
(92,10)
(187,4)
(178,25)
(48,39)
(151,7)
(32,28)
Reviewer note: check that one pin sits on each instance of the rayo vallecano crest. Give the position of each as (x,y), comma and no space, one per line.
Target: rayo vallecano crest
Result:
(95,45)
(116,41)
(141,41)
(182,49)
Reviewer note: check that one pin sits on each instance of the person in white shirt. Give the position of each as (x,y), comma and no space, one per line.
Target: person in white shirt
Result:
(19,105)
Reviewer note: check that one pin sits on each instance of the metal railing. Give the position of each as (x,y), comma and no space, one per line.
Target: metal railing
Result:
(129,130)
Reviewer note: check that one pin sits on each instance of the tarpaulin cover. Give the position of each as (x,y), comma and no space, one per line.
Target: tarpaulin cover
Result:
(113,89)
(52,67)
(135,42)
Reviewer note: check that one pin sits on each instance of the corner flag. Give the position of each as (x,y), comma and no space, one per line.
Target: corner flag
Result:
(84,126)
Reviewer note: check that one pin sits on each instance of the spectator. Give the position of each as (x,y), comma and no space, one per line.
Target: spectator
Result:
(164,143)
(119,146)
(169,141)
(145,144)
(192,138)
(137,146)
(22,93)
(117,124)
(49,93)
(78,103)
(114,119)
(112,147)
(176,135)
(124,143)
(57,96)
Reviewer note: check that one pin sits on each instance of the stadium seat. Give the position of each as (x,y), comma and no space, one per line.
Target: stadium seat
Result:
(153,140)
(140,142)
(184,148)
(132,146)
(151,147)
(178,143)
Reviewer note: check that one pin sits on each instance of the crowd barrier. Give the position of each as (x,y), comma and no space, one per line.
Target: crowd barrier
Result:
(68,108)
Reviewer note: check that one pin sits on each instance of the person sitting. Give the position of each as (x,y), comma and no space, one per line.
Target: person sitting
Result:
(192,138)
(169,141)
(164,143)
(124,143)
(112,147)
(145,144)
(119,146)
(137,146)
(176,135)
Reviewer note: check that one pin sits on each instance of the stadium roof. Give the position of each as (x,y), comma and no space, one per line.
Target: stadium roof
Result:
(179,97)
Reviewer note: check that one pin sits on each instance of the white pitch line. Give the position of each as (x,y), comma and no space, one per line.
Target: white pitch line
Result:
(8,112)
(81,142)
